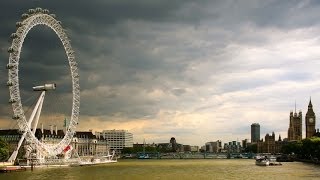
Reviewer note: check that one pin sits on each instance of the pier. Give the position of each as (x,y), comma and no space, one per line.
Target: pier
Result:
(8,169)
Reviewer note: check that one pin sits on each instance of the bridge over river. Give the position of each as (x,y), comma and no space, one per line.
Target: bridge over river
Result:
(155,155)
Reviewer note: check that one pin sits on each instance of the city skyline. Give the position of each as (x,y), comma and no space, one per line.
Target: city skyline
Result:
(195,71)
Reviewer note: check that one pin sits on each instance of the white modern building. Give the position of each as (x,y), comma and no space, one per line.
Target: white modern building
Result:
(117,139)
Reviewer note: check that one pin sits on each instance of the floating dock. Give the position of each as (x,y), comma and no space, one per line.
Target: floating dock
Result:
(12,169)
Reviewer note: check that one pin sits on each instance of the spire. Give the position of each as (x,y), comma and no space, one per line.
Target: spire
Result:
(310,104)
(295,108)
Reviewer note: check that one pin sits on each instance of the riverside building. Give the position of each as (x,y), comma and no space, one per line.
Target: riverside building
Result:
(270,145)
(87,144)
(83,142)
(310,121)
(214,147)
(232,147)
(117,139)
(295,126)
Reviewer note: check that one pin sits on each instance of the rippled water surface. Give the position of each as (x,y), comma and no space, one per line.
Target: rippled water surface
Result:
(174,169)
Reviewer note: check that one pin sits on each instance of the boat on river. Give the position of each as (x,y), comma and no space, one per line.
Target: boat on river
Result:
(267,161)
(262,162)
(98,160)
(144,155)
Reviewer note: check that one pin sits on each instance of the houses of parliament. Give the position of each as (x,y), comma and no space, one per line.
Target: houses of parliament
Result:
(270,145)
(295,125)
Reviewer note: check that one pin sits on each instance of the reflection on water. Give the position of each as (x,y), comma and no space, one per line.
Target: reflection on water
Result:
(174,169)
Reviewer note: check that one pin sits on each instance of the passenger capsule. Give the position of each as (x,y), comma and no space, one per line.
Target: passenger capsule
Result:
(12,100)
(13,35)
(9,66)
(9,83)
(15,116)
(39,10)
(53,15)
(45,87)
(18,24)
(31,11)
(46,11)
(24,16)
(10,50)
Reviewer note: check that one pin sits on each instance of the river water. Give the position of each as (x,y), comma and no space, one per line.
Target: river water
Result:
(173,169)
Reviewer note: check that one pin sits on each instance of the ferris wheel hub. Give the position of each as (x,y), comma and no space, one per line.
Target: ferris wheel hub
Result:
(45,87)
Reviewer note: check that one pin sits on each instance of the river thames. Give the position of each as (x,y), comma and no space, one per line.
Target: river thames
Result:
(174,169)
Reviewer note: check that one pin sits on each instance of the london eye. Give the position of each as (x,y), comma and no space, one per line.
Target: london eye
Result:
(27,125)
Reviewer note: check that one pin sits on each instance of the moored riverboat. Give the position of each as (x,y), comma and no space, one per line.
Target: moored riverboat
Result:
(262,162)
(267,161)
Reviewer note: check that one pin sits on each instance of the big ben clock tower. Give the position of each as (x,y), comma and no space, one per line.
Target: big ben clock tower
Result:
(310,121)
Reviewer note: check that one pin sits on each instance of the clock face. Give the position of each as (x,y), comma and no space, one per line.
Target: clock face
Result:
(311,120)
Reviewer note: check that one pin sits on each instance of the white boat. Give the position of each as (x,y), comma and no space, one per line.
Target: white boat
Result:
(262,162)
(98,160)
(144,156)
(267,161)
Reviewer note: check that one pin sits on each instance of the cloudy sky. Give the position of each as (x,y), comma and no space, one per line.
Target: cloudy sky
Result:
(198,71)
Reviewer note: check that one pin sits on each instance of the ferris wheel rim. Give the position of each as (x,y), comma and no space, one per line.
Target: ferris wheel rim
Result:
(36,17)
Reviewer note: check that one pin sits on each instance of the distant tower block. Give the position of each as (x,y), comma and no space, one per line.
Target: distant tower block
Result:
(255,132)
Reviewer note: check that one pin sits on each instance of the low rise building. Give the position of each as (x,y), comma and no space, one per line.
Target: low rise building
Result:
(194,148)
(232,147)
(172,146)
(83,142)
(87,144)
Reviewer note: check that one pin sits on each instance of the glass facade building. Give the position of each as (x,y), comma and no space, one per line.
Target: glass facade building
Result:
(255,132)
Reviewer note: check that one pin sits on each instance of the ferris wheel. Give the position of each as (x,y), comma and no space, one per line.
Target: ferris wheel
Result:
(29,20)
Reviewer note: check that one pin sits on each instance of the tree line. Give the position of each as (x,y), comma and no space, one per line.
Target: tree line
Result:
(305,149)
(4,150)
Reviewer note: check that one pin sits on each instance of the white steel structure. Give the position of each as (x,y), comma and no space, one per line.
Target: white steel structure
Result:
(117,139)
(29,20)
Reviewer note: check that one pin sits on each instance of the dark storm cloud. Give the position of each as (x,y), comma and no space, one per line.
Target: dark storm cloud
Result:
(136,49)
(83,19)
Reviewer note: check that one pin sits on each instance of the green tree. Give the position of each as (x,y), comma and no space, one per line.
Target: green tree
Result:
(127,150)
(4,150)
(293,148)
(306,149)
(310,148)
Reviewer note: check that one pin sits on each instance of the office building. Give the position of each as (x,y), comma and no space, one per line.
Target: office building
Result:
(117,139)
(255,132)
